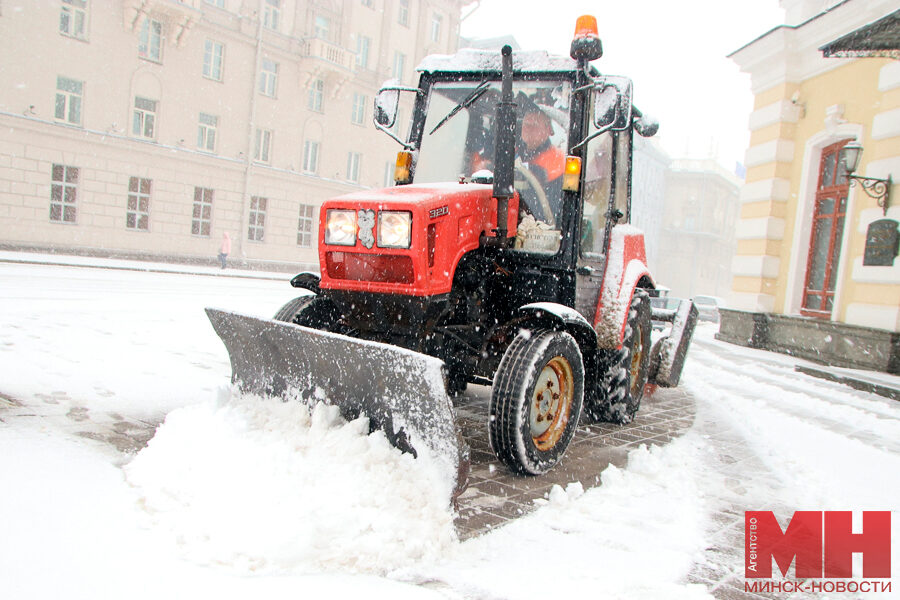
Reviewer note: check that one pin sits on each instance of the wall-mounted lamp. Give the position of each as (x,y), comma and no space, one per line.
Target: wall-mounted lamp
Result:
(879,189)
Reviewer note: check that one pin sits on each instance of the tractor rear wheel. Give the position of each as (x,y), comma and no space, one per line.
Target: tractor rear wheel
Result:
(536,400)
(624,382)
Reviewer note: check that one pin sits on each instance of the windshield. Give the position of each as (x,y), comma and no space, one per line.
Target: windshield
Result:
(458,139)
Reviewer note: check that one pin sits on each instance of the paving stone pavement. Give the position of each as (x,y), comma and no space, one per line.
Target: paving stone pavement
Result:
(495,495)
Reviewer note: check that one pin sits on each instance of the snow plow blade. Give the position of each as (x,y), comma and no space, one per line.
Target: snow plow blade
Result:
(668,354)
(401,392)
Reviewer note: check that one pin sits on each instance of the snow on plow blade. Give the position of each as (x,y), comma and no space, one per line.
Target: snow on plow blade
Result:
(668,354)
(400,391)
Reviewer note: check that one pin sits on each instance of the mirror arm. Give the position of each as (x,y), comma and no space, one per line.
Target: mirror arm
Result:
(406,146)
(600,131)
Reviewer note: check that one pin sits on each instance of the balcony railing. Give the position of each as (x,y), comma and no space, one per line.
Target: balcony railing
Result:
(329,53)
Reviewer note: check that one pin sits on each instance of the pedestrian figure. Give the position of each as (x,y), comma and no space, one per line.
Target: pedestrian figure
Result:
(224,249)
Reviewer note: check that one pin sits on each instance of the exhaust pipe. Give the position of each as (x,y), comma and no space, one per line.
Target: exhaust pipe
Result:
(505,147)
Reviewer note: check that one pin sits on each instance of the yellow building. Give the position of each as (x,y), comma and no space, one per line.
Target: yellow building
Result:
(815,271)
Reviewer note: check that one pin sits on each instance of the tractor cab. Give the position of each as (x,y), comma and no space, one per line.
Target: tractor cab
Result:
(568,156)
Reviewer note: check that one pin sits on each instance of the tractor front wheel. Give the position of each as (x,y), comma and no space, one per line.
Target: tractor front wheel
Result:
(312,311)
(536,400)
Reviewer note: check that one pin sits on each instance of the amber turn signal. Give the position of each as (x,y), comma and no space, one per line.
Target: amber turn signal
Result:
(403,167)
(572,174)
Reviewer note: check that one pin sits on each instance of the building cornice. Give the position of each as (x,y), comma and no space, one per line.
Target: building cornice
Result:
(790,53)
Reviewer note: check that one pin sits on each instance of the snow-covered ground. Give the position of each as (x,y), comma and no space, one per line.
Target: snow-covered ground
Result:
(237,496)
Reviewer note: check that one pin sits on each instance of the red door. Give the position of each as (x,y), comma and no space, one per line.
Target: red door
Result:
(827,232)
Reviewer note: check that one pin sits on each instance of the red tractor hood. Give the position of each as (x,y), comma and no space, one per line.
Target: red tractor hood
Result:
(448,220)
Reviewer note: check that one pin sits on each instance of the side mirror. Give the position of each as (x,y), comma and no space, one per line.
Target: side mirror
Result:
(612,103)
(646,126)
(386,104)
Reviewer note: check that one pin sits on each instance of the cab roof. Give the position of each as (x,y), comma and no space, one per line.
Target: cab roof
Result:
(470,60)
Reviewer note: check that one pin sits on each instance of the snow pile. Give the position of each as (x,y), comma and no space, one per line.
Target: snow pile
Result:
(636,536)
(263,485)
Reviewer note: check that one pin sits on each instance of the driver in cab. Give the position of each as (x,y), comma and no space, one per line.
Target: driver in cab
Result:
(544,161)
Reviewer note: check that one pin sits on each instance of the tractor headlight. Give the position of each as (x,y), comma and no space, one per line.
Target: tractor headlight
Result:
(394,229)
(340,227)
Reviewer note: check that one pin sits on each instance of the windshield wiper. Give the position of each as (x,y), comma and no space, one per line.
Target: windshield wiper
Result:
(466,103)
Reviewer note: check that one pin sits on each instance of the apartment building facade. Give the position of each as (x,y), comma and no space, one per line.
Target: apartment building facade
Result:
(149,128)
(697,239)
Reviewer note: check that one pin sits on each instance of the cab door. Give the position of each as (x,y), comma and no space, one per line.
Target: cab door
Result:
(605,201)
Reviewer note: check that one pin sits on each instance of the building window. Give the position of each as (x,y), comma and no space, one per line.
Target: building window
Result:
(436,21)
(310,156)
(143,124)
(73,18)
(268,77)
(213,54)
(366,3)
(263,143)
(353,159)
(137,216)
(272,14)
(403,13)
(389,173)
(217,3)
(827,234)
(322,27)
(150,45)
(63,193)
(362,51)
(305,226)
(201,221)
(316,95)
(206,132)
(358,110)
(69,94)
(257,219)
(399,65)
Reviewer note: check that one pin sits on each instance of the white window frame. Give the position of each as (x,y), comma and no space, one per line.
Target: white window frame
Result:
(358,109)
(311,150)
(64,193)
(323,30)
(437,22)
(271,14)
(353,161)
(73,18)
(150,40)
(268,77)
(403,12)
(256,227)
(201,225)
(263,145)
(144,118)
(207,132)
(315,98)
(213,59)
(134,212)
(69,100)
(306,226)
(399,65)
(363,44)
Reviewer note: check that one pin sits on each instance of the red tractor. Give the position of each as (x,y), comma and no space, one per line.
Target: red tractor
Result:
(503,256)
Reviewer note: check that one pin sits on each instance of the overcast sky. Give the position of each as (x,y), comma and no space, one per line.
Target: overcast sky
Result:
(676,53)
